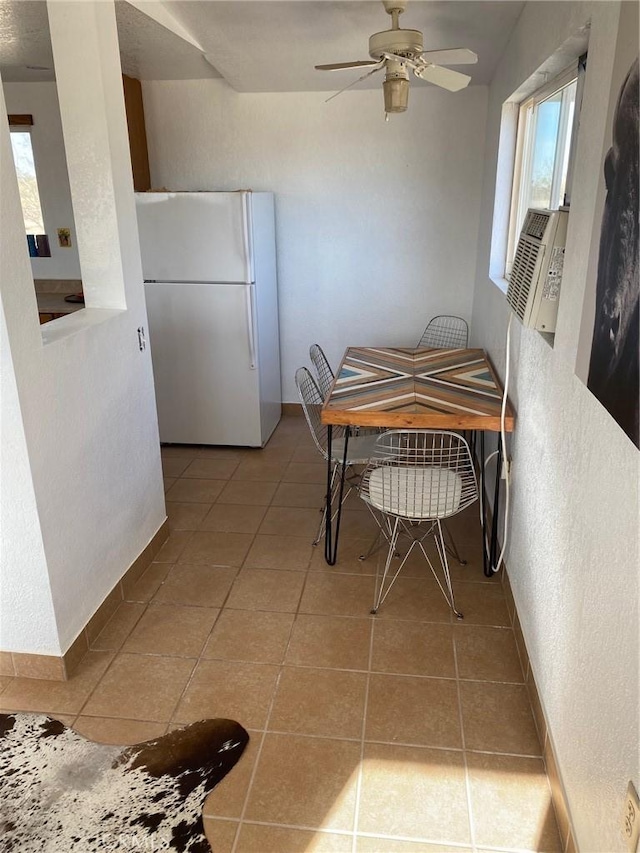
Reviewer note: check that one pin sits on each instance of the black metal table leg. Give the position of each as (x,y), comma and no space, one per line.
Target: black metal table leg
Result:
(496,511)
(489,549)
(331,545)
(327,502)
(483,498)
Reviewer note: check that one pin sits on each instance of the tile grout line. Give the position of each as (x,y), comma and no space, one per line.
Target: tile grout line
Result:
(261,735)
(268,717)
(220,609)
(115,652)
(467,780)
(270,709)
(198,658)
(356,811)
(239,820)
(190,679)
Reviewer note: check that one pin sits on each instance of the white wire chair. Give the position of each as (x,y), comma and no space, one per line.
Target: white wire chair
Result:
(326,376)
(445,332)
(359,449)
(415,479)
(323,369)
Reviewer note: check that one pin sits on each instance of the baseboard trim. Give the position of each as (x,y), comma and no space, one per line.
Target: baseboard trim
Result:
(54,668)
(558,796)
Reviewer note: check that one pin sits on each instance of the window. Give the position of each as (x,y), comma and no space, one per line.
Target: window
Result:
(27,181)
(543,151)
(24,162)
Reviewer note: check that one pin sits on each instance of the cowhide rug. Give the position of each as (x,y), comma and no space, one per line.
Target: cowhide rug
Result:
(61,793)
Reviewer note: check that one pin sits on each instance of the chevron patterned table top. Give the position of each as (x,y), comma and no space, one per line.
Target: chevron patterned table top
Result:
(421,388)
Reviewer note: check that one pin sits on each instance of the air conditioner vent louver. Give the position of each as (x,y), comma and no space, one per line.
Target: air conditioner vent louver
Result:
(528,255)
(537,269)
(535,224)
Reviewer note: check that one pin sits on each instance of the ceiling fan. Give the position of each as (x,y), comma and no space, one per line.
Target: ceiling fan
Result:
(397,50)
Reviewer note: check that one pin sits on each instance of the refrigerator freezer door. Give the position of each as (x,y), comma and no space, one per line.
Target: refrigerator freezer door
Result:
(206,389)
(196,236)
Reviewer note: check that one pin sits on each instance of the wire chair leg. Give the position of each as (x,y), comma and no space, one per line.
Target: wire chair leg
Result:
(376,544)
(440,545)
(381,534)
(334,492)
(450,545)
(379,598)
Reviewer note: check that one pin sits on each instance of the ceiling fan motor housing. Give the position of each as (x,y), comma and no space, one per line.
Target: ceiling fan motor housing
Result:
(405,43)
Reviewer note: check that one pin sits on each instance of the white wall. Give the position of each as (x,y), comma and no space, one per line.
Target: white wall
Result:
(41,101)
(83,416)
(376,222)
(26,608)
(573,557)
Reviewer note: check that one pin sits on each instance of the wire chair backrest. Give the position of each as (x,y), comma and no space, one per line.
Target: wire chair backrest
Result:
(312,401)
(323,369)
(445,332)
(420,474)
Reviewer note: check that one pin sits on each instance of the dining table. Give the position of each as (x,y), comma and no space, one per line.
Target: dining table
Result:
(417,388)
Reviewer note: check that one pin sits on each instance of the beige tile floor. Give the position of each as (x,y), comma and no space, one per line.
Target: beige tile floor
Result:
(408,731)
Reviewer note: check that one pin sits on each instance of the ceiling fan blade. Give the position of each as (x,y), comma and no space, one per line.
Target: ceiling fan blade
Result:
(452,56)
(337,66)
(379,65)
(443,77)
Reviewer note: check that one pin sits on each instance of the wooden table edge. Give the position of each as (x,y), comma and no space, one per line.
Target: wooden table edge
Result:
(398,420)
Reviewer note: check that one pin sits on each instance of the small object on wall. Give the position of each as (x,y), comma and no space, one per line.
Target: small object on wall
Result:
(42,246)
(64,237)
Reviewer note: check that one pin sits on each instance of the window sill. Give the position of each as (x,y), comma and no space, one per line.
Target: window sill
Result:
(501,283)
(78,321)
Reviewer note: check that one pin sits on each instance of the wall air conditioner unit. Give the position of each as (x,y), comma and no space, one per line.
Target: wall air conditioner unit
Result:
(534,285)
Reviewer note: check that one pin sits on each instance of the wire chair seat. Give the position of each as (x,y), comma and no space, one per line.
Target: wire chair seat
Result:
(445,331)
(416,479)
(417,494)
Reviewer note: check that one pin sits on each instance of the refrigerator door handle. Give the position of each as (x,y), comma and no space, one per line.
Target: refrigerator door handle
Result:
(247,213)
(250,326)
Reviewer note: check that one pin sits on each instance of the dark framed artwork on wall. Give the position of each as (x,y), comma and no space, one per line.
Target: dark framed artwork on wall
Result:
(608,359)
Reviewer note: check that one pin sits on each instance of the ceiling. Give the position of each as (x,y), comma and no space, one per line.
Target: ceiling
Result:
(260,45)
(148,50)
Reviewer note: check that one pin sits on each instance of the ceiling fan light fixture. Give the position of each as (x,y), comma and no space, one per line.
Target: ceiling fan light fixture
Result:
(396,95)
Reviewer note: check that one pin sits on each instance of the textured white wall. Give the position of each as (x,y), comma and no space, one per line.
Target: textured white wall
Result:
(376,222)
(41,101)
(26,607)
(573,557)
(85,390)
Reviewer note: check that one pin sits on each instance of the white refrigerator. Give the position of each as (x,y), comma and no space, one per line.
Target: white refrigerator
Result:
(209,264)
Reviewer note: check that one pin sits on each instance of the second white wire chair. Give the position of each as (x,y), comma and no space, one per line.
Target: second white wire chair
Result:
(323,369)
(326,377)
(445,331)
(415,479)
(359,449)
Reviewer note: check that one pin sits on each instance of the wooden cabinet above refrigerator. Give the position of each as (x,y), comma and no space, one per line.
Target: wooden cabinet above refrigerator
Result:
(137,133)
